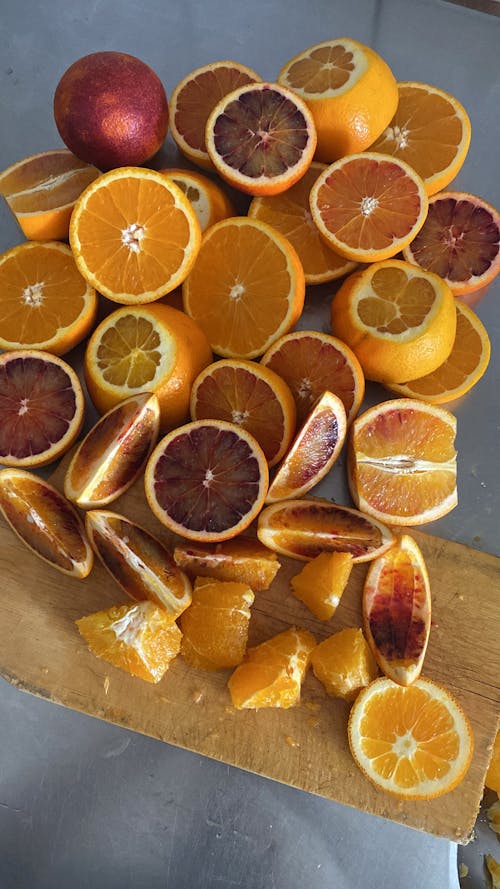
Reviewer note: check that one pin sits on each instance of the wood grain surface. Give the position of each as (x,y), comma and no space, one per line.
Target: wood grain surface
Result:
(306,746)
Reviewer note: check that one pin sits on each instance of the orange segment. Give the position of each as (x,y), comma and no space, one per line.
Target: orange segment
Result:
(134,235)
(402,462)
(246,289)
(215,626)
(194,98)
(209,201)
(311,362)
(261,138)
(44,301)
(313,452)
(251,396)
(414,742)
(243,559)
(45,522)
(272,672)
(207,480)
(344,664)
(41,191)
(430,131)
(350,90)
(368,207)
(399,320)
(322,581)
(141,639)
(464,367)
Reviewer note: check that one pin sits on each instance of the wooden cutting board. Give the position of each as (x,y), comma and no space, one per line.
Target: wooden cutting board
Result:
(42,652)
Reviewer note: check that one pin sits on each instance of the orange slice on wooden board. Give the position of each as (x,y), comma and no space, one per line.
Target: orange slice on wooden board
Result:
(272,672)
(368,206)
(350,90)
(138,561)
(399,321)
(430,131)
(261,138)
(313,452)
(302,529)
(207,480)
(397,610)
(41,191)
(464,367)
(134,235)
(44,301)
(246,289)
(290,214)
(460,241)
(311,362)
(344,664)
(152,348)
(195,97)
(113,453)
(243,559)
(321,583)
(414,742)
(209,201)
(45,522)
(41,408)
(215,626)
(402,465)
(249,395)
(141,639)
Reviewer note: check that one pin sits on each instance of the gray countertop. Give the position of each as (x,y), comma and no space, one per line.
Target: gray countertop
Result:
(87,805)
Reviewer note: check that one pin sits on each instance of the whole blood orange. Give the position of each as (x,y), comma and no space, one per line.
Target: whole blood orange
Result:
(111,110)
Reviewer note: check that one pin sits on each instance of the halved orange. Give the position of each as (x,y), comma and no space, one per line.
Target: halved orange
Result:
(430,131)
(246,289)
(289,213)
(368,206)
(41,191)
(460,241)
(313,452)
(399,321)
(464,367)
(350,90)
(243,559)
(250,395)
(311,362)
(134,235)
(45,522)
(344,664)
(397,610)
(261,138)
(207,480)
(302,529)
(44,301)
(41,407)
(193,99)
(138,561)
(403,463)
(215,626)
(414,742)
(322,581)
(209,201)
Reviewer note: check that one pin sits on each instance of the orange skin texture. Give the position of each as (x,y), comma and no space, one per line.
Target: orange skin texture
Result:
(111,110)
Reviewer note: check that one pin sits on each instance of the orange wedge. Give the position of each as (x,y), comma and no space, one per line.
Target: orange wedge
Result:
(243,559)
(272,672)
(209,201)
(215,626)
(321,583)
(344,664)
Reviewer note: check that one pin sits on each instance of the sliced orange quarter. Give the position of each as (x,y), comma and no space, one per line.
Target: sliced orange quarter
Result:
(414,742)
(41,191)
(141,639)
(249,395)
(207,480)
(313,452)
(215,626)
(272,672)
(344,664)
(430,131)
(322,581)
(368,206)
(45,522)
(246,289)
(138,561)
(134,235)
(312,362)
(209,201)
(44,301)
(403,463)
(243,559)
(399,321)
(397,610)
